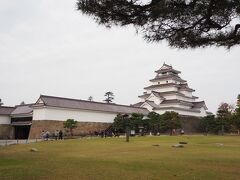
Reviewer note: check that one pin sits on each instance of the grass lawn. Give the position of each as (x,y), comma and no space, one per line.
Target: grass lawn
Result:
(112,158)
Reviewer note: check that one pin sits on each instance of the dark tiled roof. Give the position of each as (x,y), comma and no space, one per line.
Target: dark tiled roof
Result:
(22,109)
(172,76)
(186,88)
(209,113)
(89,105)
(162,85)
(137,104)
(157,94)
(167,69)
(176,101)
(144,95)
(199,104)
(168,92)
(5,110)
(177,108)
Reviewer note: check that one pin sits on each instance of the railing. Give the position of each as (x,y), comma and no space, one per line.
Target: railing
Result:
(7,142)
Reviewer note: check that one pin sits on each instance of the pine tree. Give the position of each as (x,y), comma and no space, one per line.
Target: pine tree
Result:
(1,103)
(90,98)
(182,23)
(109,97)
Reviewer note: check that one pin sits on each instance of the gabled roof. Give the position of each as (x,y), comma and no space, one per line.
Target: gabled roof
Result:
(6,110)
(61,102)
(152,104)
(156,94)
(167,68)
(25,109)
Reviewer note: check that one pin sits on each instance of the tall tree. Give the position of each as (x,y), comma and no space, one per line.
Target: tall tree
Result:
(173,120)
(109,97)
(223,116)
(182,23)
(70,124)
(136,120)
(156,123)
(1,103)
(208,124)
(237,110)
(22,103)
(236,117)
(90,98)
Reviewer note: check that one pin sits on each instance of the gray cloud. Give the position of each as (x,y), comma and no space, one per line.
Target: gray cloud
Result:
(47,47)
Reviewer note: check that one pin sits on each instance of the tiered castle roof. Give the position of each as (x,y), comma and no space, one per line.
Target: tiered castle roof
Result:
(168,91)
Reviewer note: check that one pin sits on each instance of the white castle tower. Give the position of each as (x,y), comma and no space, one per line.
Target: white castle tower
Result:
(168,92)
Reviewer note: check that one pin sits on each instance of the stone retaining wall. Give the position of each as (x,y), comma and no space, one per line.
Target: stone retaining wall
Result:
(190,124)
(50,125)
(6,131)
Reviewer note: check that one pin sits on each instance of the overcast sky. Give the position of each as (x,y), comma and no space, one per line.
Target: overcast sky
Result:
(47,47)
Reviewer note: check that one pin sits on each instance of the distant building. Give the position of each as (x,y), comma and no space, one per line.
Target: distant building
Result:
(169,92)
(49,112)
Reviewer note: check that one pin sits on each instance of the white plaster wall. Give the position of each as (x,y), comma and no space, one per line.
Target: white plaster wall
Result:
(156,100)
(203,112)
(165,81)
(163,89)
(4,119)
(174,96)
(39,114)
(147,106)
(175,105)
(185,99)
(60,114)
(170,96)
(187,93)
(181,112)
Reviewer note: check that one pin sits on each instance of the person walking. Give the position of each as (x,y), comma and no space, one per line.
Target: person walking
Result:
(47,135)
(56,134)
(60,135)
(42,135)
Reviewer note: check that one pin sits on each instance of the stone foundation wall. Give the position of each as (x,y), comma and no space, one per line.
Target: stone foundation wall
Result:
(6,131)
(50,125)
(190,124)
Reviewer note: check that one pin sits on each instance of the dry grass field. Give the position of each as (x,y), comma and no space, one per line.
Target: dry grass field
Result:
(204,157)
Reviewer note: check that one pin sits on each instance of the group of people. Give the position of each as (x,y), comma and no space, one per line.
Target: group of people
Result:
(45,135)
(58,135)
